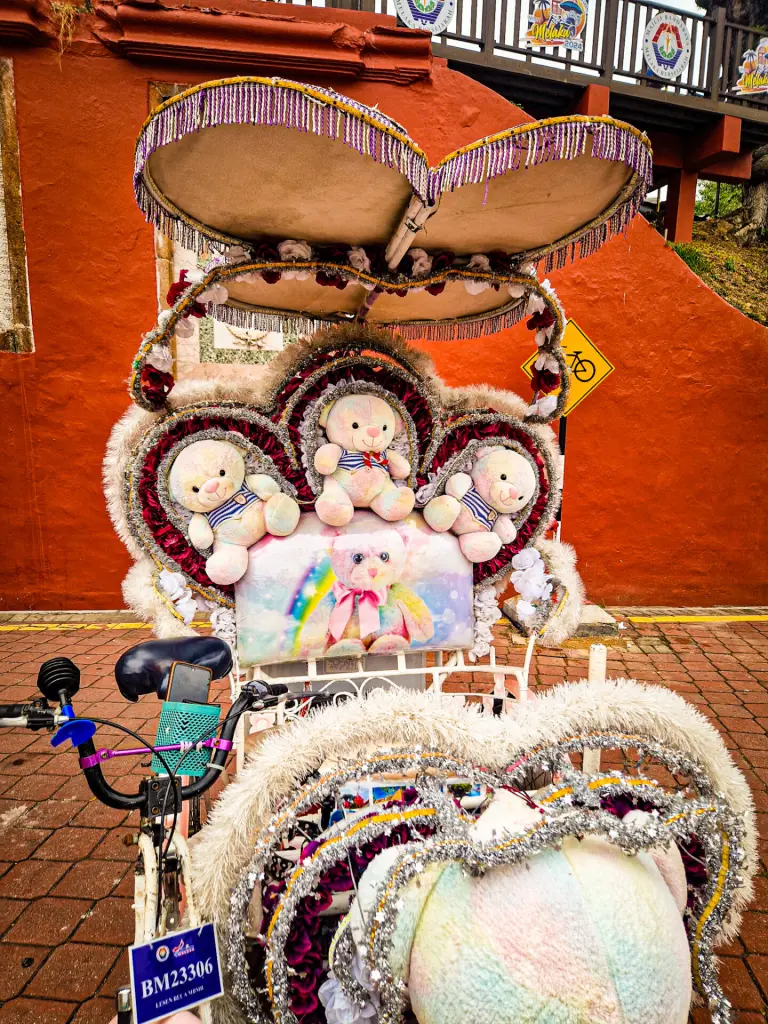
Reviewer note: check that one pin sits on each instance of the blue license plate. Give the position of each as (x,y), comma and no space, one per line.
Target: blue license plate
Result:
(174,973)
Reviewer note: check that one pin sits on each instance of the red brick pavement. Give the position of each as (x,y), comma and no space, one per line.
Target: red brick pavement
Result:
(65,874)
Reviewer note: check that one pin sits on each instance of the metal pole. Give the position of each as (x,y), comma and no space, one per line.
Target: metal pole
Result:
(561,437)
(717,199)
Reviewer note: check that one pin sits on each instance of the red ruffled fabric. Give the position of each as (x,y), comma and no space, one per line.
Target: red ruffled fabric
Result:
(544,381)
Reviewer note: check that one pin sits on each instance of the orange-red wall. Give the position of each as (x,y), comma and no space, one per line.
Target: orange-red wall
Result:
(665,472)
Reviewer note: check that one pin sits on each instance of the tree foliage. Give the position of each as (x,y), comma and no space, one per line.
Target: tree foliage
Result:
(706,199)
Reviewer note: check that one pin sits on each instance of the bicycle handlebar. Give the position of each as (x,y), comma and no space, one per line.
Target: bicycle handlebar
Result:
(38,715)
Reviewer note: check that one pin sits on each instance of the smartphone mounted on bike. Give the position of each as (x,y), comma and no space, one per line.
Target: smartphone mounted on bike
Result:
(188,683)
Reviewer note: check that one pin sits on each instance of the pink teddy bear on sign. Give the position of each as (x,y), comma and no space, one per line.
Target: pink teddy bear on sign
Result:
(358,466)
(369,609)
(478,506)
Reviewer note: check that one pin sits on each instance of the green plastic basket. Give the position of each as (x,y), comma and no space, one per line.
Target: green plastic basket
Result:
(185,723)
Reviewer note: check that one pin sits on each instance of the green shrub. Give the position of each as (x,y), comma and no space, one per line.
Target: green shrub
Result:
(689,254)
(729,264)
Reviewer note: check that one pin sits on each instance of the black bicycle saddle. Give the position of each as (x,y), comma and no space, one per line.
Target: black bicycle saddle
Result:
(145,668)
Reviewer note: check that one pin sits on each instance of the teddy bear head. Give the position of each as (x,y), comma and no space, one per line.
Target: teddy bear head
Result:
(504,478)
(361,423)
(368,559)
(205,474)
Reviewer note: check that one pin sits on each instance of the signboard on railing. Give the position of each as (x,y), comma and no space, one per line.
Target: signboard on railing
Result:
(557,23)
(428,15)
(667,45)
(754,71)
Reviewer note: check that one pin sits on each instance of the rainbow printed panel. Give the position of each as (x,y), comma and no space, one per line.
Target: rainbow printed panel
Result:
(369,587)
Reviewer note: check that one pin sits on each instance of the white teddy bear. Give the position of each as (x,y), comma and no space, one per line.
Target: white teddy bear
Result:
(478,506)
(231,510)
(358,466)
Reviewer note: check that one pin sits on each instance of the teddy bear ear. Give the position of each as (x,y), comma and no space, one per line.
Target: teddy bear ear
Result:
(326,413)
(485,450)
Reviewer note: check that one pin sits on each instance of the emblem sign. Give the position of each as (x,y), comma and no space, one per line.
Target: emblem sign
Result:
(667,45)
(754,70)
(429,15)
(557,23)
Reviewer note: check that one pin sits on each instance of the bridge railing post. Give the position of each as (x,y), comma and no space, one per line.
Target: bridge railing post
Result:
(610,25)
(716,55)
(489,27)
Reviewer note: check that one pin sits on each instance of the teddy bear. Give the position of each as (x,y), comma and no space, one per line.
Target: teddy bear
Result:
(478,506)
(369,611)
(358,466)
(231,510)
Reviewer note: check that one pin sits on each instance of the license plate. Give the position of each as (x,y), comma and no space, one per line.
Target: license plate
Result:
(174,973)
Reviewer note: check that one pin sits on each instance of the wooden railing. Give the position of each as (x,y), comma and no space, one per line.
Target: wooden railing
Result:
(493,32)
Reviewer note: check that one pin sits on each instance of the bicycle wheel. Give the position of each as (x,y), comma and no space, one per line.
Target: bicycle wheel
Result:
(584,370)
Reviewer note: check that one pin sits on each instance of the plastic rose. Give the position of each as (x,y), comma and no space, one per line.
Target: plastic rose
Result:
(290,249)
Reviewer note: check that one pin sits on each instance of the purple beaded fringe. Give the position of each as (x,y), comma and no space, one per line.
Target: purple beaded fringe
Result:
(268,103)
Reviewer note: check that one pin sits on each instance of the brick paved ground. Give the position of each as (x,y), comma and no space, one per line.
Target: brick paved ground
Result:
(65,874)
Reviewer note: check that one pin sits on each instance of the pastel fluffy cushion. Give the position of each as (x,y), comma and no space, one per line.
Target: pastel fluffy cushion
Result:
(583,935)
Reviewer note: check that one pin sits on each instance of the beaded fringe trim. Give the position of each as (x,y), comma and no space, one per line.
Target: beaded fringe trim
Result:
(276,102)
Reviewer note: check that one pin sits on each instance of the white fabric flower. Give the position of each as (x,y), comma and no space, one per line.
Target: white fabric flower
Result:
(535,304)
(290,249)
(479,262)
(547,361)
(164,317)
(195,276)
(475,287)
(298,275)
(358,259)
(517,291)
(422,262)
(526,558)
(525,610)
(186,607)
(528,269)
(185,328)
(160,357)
(544,407)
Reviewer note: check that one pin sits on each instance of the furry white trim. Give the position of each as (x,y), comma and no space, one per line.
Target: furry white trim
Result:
(142,597)
(561,564)
(401,720)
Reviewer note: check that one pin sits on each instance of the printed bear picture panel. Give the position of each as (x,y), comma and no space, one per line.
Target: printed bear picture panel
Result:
(369,587)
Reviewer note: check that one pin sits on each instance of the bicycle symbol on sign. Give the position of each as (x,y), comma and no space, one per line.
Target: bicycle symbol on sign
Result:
(582,369)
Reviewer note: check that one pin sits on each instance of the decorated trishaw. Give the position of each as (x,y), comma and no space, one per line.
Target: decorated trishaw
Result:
(390,848)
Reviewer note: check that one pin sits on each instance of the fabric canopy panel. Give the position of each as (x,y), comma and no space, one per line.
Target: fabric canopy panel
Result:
(251,182)
(243,160)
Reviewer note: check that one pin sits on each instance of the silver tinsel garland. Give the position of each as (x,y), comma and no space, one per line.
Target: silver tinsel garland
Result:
(570,806)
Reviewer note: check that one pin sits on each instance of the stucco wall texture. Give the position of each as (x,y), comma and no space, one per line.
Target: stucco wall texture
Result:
(666,462)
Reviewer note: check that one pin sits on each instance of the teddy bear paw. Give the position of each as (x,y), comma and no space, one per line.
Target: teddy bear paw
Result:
(394,503)
(281,515)
(333,512)
(479,547)
(441,513)
(227,565)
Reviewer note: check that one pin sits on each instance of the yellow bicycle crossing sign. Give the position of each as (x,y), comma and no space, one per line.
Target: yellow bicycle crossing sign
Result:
(587,366)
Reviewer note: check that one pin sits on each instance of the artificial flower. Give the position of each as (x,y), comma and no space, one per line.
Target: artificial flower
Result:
(290,249)
(358,259)
(422,262)
(525,610)
(184,328)
(479,262)
(215,293)
(160,357)
(544,381)
(476,287)
(541,320)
